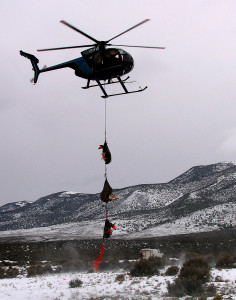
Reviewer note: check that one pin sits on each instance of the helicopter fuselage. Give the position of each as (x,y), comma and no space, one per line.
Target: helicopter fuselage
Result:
(96,64)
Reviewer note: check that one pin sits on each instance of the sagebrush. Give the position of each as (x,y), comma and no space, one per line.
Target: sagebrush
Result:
(193,274)
(75,283)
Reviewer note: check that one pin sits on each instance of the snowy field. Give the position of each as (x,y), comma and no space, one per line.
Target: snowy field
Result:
(103,286)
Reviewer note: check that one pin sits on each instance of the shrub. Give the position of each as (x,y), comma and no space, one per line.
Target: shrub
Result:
(8,272)
(195,269)
(210,290)
(7,263)
(191,255)
(75,283)
(142,268)
(11,272)
(193,274)
(146,267)
(157,262)
(73,265)
(226,261)
(91,271)
(120,277)
(218,297)
(202,297)
(126,265)
(106,266)
(172,271)
(176,289)
(58,269)
(47,269)
(39,269)
(33,270)
(2,272)
(211,259)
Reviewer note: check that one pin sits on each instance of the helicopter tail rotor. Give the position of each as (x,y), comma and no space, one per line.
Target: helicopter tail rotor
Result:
(34,62)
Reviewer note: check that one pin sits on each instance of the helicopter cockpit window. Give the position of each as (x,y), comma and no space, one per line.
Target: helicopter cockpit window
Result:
(97,61)
(127,60)
(111,58)
(104,59)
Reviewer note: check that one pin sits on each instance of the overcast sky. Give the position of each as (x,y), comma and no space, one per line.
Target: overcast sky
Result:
(50,132)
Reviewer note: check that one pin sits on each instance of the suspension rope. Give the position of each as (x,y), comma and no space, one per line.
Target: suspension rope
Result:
(105,118)
(99,259)
(106,211)
(105,133)
(105,174)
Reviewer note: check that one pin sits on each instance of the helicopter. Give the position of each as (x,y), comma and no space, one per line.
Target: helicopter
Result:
(97,63)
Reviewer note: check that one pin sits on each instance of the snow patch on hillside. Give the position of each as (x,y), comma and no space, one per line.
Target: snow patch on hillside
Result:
(68,193)
(218,217)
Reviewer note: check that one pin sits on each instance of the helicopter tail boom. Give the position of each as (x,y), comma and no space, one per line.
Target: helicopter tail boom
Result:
(34,62)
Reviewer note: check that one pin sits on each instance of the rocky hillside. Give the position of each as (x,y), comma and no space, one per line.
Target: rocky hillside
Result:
(201,199)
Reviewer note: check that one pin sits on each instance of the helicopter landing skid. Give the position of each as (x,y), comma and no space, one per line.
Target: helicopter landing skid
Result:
(125,93)
(109,82)
(122,82)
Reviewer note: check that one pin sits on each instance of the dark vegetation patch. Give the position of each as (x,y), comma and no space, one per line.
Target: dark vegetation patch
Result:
(39,269)
(193,275)
(225,261)
(75,283)
(120,278)
(78,255)
(210,290)
(172,271)
(147,267)
(218,297)
(8,272)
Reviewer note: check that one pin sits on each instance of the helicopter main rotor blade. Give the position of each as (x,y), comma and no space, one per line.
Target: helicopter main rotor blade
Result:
(129,29)
(150,47)
(62,48)
(76,29)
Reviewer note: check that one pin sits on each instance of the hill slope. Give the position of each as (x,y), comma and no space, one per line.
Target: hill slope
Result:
(201,199)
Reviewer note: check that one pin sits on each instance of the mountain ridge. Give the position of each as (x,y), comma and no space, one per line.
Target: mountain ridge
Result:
(201,189)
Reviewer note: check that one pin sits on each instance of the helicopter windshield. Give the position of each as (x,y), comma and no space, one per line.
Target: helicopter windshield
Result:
(104,59)
(112,57)
(127,61)
(109,58)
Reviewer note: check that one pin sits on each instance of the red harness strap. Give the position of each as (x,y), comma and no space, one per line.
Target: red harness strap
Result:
(99,259)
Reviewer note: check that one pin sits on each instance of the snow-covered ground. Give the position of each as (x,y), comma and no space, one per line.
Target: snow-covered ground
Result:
(95,285)
(103,286)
